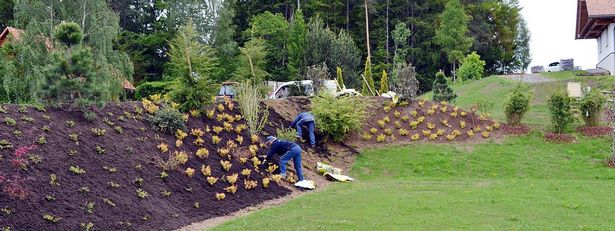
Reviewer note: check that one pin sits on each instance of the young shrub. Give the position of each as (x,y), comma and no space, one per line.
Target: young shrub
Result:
(472,67)
(405,84)
(249,99)
(232,178)
(212,180)
(167,120)
(220,196)
(559,106)
(384,82)
(338,116)
(591,107)
(226,165)
(286,134)
(205,170)
(381,138)
(266,181)
(441,90)
(517,104)
(202,153)
(189,172)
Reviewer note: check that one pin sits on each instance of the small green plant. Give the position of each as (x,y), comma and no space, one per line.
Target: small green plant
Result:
(119,129)
(7,211)
(142,193)
(36,159)
(166,193)
(5,144)
(100,150)
(10,121)
(138,181)
(89,207)
(46,128)
(72,152)
(26,118)
(381,138)
(108,202)
(53,180)
(517,104)
(47,117)
(74,137)
(108,121)
(441,90)
(113,185)
(17,133)
(76,170)
(84,189)
(40,108)
(559,106)
(110,169)
(87,226)
(286,134)
(41,140)
(23,109)
(164,175)
(70,124)
(3,109)
(51,218)
(98,132)
(50,198)
(89,116)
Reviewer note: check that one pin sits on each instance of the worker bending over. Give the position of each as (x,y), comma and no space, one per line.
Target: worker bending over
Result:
(305,119)
(287,151)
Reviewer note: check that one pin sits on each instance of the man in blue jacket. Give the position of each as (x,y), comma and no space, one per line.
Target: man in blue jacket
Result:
(305,119)
(287,151)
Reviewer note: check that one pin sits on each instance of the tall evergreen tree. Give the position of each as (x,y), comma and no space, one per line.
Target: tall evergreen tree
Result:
(400,38)
(224,43)
(296,45)
(340,79)
(252,62)
(191,65)
(384,83)
(453,33)
(522,50)
(273,30)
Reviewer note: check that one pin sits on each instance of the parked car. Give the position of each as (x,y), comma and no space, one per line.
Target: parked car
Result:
(554,67)
(293,88)
(226,91)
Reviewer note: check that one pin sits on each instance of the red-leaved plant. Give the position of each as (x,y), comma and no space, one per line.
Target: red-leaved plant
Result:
(20,160)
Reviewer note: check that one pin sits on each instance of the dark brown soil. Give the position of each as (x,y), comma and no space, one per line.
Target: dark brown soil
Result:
(518,130)
(131,154)
(595,131)
(560,138)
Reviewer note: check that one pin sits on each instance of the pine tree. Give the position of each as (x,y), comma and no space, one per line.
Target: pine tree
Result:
(340,80)
(522,51)
(191,65)
(452,34)
(407,86)
(71,80)
(368,88)
(441,90)
(224,43)
(384,83)
(252,62)
(296,45)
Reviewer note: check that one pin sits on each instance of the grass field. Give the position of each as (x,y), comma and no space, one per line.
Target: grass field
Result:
(519,184)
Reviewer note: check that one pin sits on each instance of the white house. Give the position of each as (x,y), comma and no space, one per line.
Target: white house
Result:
(596,20)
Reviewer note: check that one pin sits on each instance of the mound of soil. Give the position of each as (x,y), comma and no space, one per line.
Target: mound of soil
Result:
(41,192)
(421,121)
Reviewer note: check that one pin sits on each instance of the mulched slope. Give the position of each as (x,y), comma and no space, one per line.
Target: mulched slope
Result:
(131,154)
(447,120)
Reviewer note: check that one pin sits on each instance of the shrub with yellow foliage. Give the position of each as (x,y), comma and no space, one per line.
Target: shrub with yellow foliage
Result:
(231,189)
(220,196)
(202,153)
(180,135)
(181,157)
(246,172)
(163,147)
(250,184)
(197,132)
(212,180)
(215,139)
(266,182)
(232,178)
(189,172)
(226,165)
(205,170)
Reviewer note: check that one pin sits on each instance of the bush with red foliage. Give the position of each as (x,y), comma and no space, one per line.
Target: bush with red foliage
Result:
(595,131)
(560,138)
(20,160)
(14,187)
(517,130)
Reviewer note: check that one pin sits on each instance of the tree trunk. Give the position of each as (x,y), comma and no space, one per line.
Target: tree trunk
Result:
(347,15)
(387,34)
(369,54)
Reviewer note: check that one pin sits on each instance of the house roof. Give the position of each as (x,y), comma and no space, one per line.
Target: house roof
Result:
(593,17)
(16,33)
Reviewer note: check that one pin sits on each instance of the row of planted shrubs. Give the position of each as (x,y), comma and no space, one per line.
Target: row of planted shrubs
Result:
(560,107)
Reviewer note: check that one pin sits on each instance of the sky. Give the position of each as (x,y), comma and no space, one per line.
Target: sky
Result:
(552,24)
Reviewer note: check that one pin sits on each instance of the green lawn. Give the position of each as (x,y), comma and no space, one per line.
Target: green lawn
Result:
(497,88)
(519,184)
